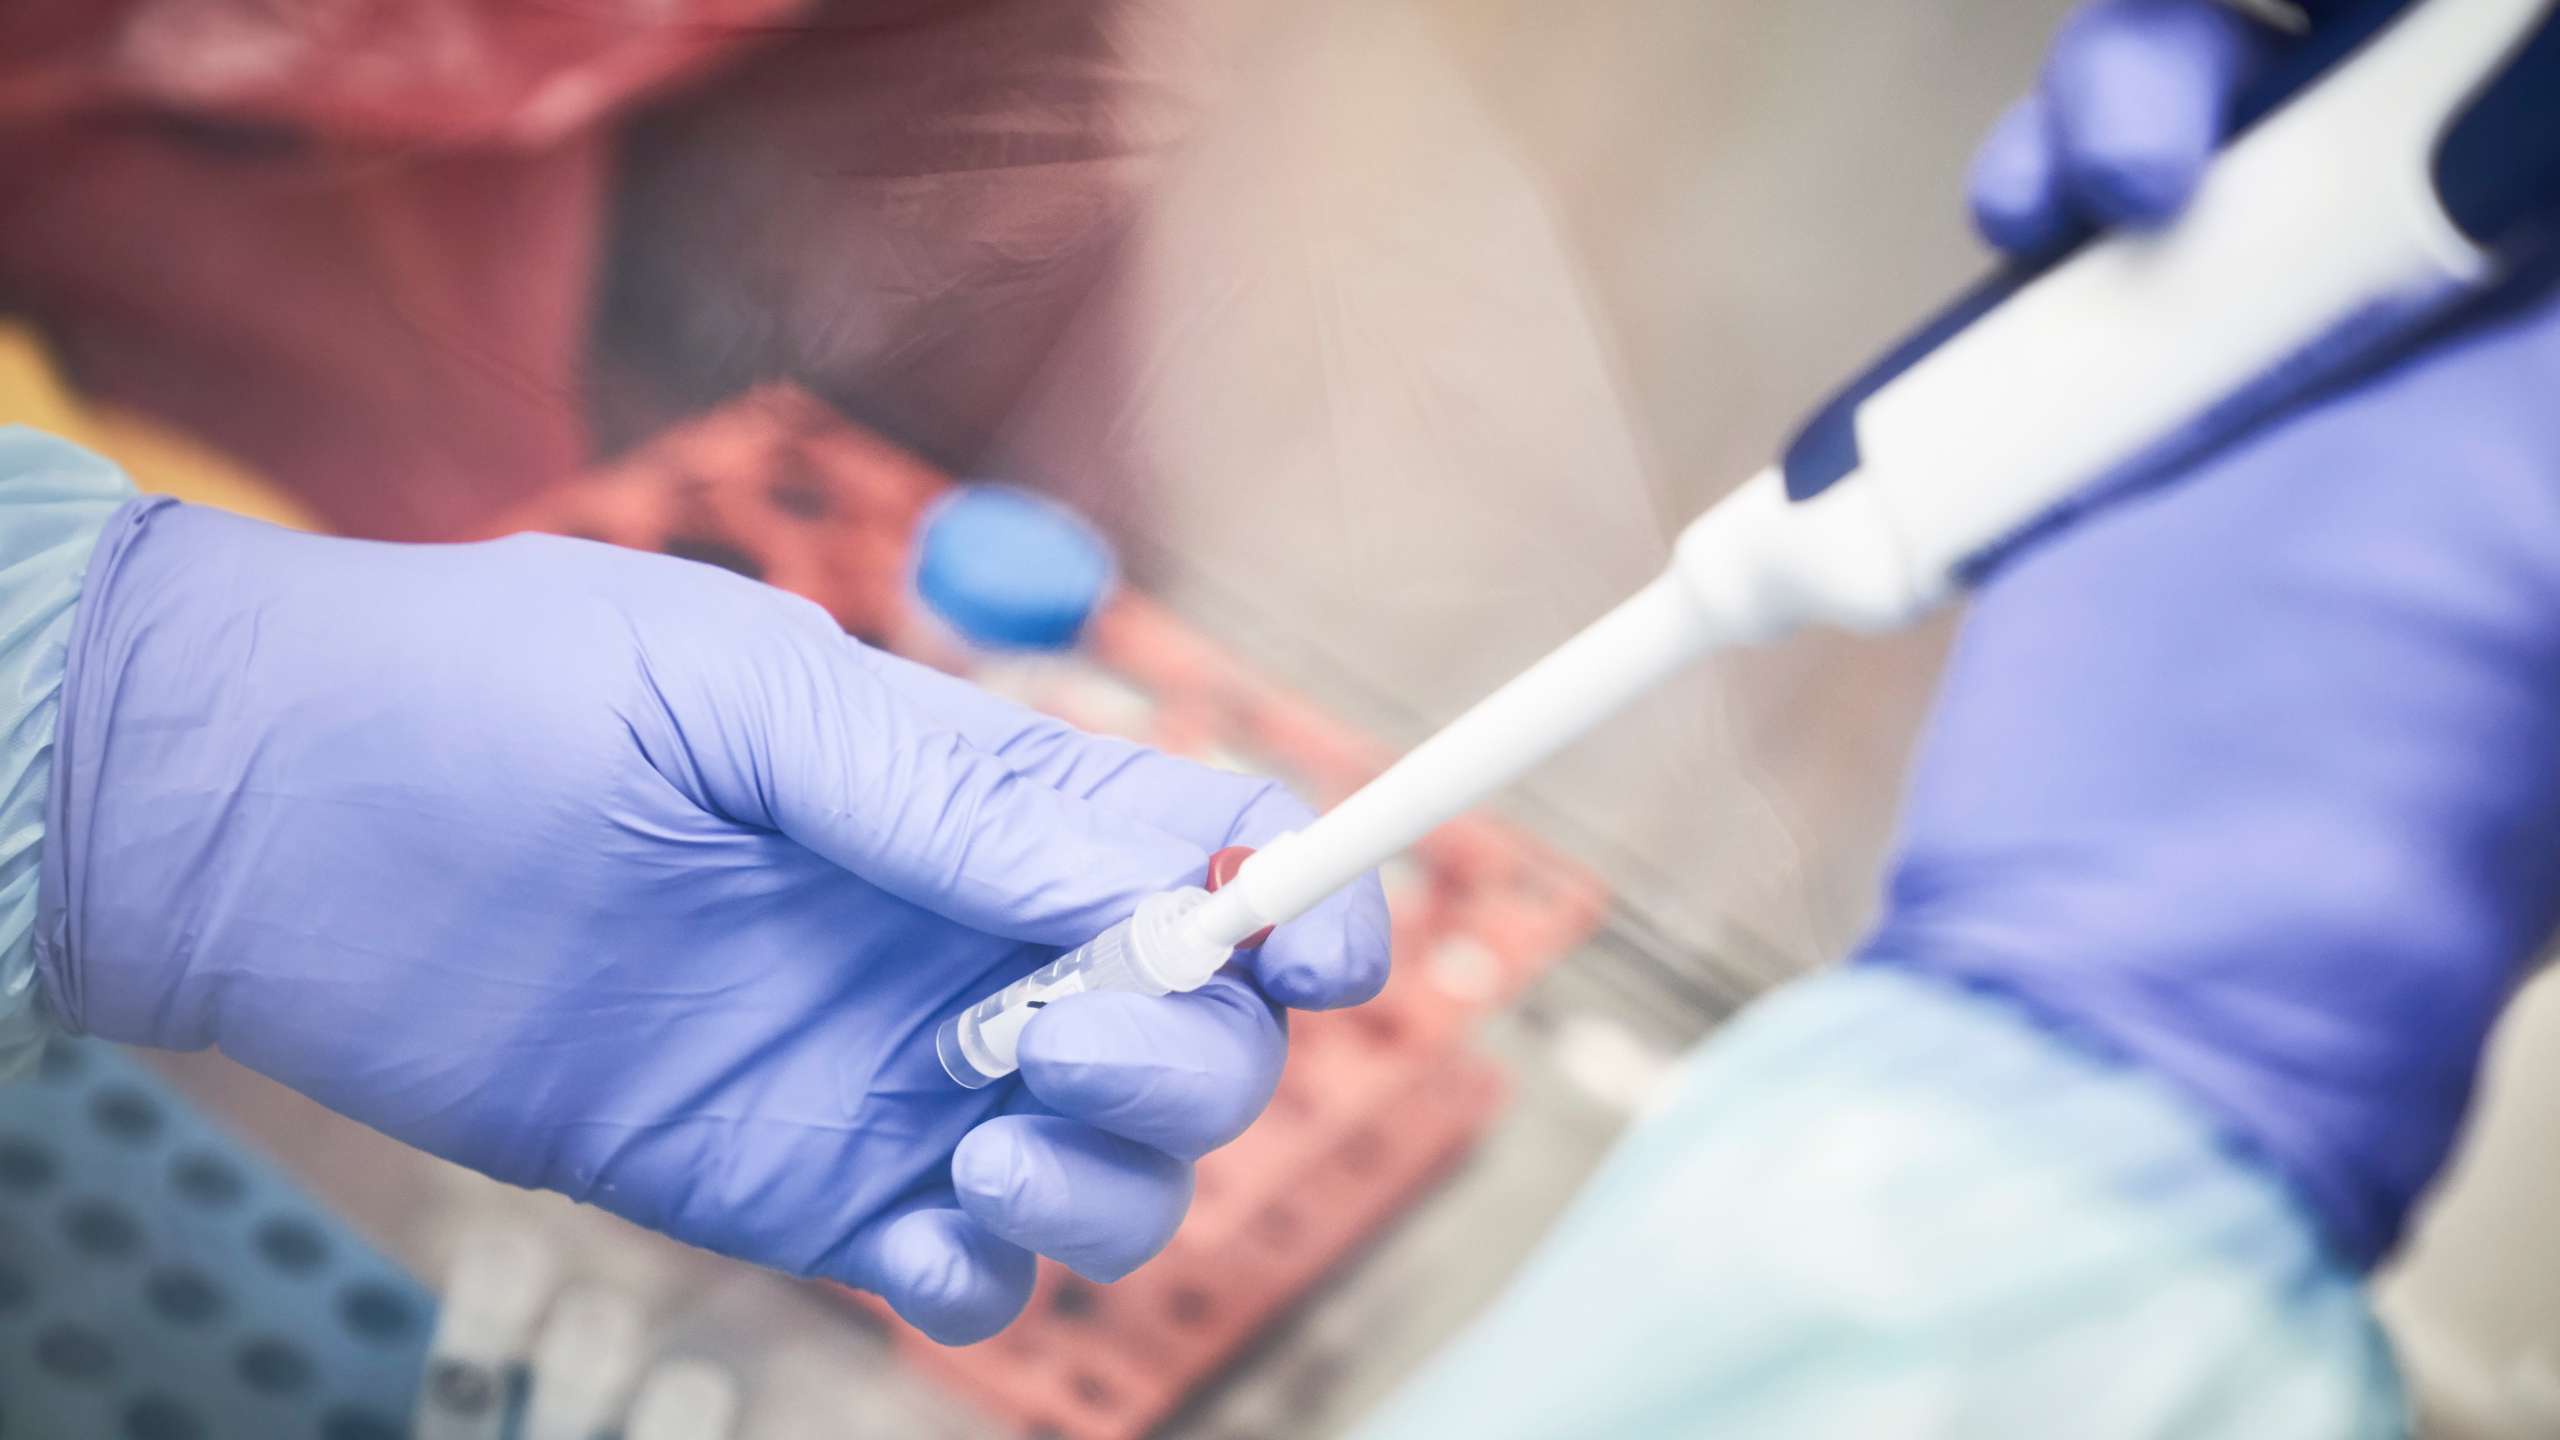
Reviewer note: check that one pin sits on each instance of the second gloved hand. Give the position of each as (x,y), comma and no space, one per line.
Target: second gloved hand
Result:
(625,877)
(2256,780)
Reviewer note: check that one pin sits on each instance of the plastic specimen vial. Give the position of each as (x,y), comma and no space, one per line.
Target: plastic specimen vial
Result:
(495,1291)
(585,1359)
(1151,953)
(684,1400)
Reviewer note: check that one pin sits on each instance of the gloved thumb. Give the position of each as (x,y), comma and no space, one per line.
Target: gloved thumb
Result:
(827,749)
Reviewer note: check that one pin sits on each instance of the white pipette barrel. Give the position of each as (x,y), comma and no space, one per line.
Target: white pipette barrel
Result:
(1582,682)
(1752,567)
(1177,940)
(2331,228)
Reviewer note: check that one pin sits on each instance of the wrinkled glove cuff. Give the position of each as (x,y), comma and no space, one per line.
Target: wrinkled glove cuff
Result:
(78,769)
(57,503)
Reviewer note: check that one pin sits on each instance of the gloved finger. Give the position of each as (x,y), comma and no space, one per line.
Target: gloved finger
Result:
(849,766)
(2016,183)
(1183,1074)
(941,1270)
(2138,95)
(1095,1203)
(1209,807)
(1334,955)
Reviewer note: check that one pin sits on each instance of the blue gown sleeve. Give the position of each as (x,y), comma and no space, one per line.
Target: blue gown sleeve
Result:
(55,501)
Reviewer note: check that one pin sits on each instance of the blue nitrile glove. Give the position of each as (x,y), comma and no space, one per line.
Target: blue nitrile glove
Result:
(2135,98)
(622,876)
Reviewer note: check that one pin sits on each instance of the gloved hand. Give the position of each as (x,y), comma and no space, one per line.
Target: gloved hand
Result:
(622,876)
(2238,819)
(2256,779)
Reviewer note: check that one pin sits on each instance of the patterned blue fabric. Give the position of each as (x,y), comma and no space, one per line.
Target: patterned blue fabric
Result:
(55,499)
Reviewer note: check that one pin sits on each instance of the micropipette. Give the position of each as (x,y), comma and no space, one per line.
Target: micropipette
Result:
(2405,159)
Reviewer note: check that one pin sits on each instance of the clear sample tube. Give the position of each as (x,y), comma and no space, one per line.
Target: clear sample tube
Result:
(493,1294)
(1154,952)
(585,1359)
(684,1400)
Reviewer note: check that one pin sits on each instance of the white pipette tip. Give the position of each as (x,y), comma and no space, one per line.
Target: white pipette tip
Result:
(1229,916)
(1222,921)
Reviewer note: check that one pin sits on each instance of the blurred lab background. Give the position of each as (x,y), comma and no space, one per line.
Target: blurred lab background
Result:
(1388,339)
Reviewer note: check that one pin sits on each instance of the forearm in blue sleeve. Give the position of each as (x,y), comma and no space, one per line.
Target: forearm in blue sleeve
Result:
(1878,1203)
(55,501)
